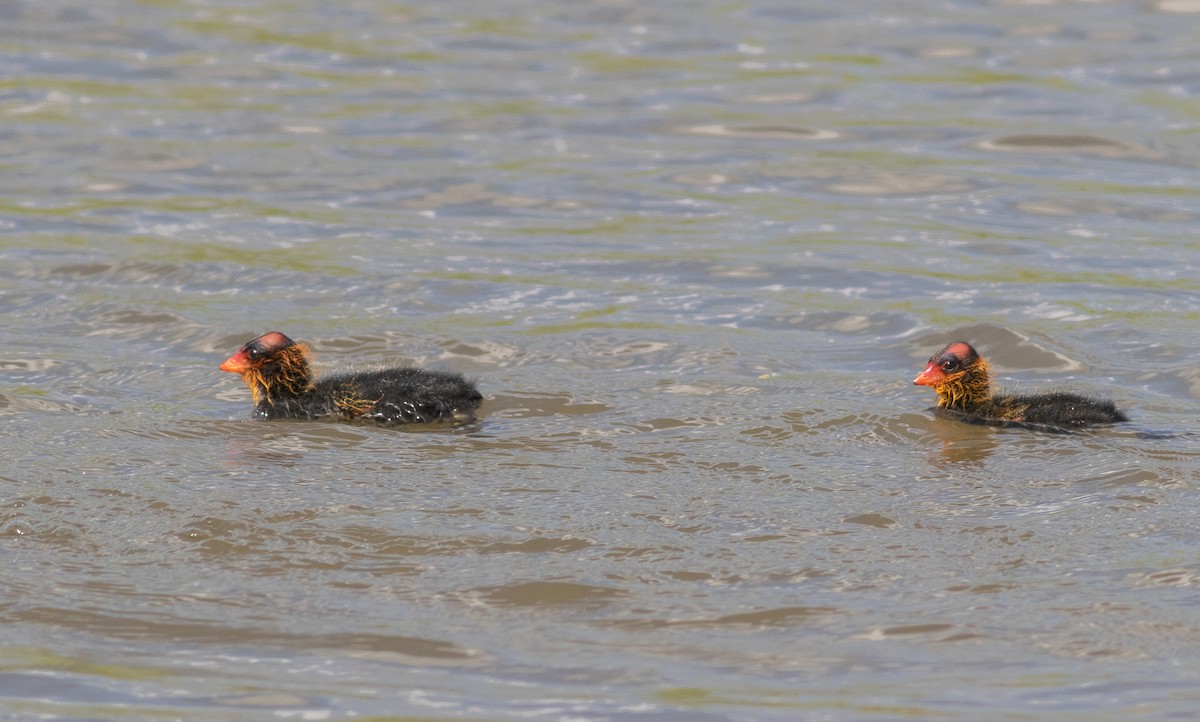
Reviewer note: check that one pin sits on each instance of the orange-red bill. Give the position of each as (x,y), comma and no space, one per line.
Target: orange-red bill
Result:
(931,376)
(237,363)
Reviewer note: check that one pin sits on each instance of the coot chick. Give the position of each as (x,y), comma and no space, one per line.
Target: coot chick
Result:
(963,384)
(276,370)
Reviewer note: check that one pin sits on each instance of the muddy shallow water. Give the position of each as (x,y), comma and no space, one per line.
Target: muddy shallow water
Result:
(694,254)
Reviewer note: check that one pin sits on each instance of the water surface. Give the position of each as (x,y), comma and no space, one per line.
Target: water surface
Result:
(694,253)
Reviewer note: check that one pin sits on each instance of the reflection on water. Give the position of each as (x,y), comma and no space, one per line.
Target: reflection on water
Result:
(693,254)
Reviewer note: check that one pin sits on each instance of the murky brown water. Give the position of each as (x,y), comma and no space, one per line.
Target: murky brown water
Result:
(694,253)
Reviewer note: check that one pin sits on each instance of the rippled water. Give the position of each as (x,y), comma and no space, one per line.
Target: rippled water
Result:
(694,253)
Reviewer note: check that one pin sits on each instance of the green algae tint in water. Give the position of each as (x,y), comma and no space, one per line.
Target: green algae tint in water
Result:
(694,255)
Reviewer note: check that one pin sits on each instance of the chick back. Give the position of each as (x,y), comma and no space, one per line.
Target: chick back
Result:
(385,396)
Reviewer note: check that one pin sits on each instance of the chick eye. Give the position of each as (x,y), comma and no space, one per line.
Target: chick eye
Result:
(948,365)
(253,353)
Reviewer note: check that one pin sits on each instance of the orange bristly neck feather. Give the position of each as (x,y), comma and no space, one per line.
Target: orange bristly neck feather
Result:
(291,376)
(966,389)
